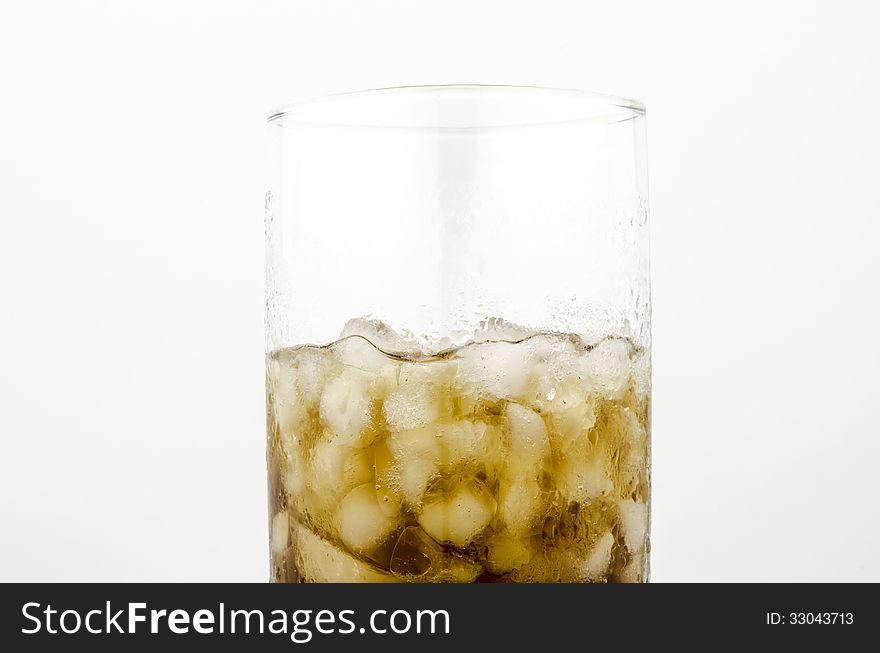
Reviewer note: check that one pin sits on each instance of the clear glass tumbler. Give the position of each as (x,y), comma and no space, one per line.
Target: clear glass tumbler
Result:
(457,337)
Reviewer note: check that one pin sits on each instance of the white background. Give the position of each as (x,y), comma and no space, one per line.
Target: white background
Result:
(131,264)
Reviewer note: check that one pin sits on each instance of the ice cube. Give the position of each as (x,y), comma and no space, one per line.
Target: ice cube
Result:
(571,427)
(552,394)
(314,365)
(418,558)
(289,409)
(622,441)
(632,470)
(499,369)
(522,505)
(496,329)
(469,403)
(634,571)
(417,456)
(595,567)
(474,443)
(360,353)
(633,524)
(506,552)
(620,424)
(436,374)
(529,444)
(381,335)
(641,374)
(293,469)
(346,406)
(410,407)
(385,381)
(569,562)
(360,521)
(420,396)
(581,477)
(280,533)
(461,441)
(414,479)
(293,448)
(320,561)
(555,369)
(333,470)
(607,365)
(460,516)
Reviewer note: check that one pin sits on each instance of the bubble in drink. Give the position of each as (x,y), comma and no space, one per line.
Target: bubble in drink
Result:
(516,457)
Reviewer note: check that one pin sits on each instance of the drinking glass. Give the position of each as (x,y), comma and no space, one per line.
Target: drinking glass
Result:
(458,337)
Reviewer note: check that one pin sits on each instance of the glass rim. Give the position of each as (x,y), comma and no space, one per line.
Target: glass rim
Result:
(307,112)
